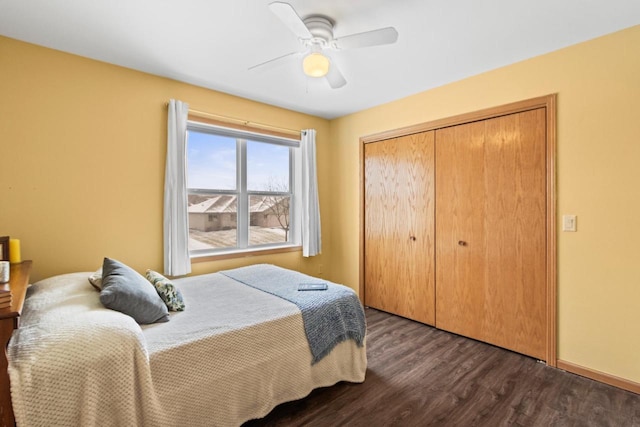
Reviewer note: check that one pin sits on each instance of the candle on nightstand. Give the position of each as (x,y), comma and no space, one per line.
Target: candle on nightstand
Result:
(14,251)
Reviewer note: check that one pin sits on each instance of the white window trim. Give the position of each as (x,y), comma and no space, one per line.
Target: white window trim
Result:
(295,186)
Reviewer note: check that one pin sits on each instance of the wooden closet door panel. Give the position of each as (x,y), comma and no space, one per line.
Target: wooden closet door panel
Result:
(399,226)
(497,292)
(516,231)
(460,210)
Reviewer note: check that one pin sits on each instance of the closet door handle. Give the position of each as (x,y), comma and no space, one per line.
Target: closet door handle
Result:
(412,238)
(462,243)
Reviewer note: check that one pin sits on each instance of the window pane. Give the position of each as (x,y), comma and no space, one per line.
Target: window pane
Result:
(268,219)
(267,167)
(211,161)
(212,221)
(227,171)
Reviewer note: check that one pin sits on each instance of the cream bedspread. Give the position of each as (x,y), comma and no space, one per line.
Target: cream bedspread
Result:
(233,355)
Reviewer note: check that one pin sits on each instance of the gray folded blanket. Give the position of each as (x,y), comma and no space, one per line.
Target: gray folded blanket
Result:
(329,316)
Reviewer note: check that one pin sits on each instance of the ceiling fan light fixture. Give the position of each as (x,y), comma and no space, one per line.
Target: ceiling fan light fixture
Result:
(315,65)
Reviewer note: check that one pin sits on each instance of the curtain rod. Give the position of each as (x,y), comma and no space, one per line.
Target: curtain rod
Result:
(244,122)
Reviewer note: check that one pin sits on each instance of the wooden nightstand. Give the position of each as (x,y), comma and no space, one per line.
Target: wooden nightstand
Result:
(10,320)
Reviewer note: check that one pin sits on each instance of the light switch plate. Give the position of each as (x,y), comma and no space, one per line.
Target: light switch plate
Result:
(569,223)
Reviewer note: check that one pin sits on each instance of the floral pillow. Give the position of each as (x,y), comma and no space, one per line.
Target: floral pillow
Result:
(169,293)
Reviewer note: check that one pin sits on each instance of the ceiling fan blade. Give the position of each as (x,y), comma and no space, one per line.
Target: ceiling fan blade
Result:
(334,77)
(386,35)
(288,15)
(272,63)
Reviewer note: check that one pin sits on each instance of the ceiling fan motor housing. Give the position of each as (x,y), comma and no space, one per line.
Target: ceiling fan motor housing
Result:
(321,27)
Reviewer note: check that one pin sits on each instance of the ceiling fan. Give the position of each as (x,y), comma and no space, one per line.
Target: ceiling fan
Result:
(315,33)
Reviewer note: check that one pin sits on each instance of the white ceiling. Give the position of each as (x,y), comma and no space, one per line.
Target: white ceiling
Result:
(212,43)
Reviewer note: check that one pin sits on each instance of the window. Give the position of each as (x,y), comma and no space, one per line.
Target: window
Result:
(240,189)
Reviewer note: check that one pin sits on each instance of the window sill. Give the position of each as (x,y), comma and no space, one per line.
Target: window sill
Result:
(243,254)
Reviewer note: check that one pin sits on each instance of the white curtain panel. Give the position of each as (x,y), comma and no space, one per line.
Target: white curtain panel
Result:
(311,240)
(176,220)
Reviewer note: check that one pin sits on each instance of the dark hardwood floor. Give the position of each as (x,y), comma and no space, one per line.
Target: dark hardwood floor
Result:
(421,376)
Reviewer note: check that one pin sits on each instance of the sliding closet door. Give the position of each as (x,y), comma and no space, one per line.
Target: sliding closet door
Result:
(491,231)
(399,229)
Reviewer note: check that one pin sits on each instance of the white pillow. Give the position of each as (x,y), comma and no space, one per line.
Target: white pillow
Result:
(96,279)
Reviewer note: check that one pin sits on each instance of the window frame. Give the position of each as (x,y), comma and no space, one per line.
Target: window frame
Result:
(242,247)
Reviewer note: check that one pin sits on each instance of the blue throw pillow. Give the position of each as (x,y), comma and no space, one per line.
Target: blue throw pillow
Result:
(126,291)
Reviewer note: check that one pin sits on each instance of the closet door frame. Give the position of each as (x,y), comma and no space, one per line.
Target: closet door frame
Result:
(549,103)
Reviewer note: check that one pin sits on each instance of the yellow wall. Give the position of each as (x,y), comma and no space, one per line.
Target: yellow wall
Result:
(82,152)
(598,179)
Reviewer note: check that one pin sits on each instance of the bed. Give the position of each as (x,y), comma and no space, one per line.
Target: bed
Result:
(235,353)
